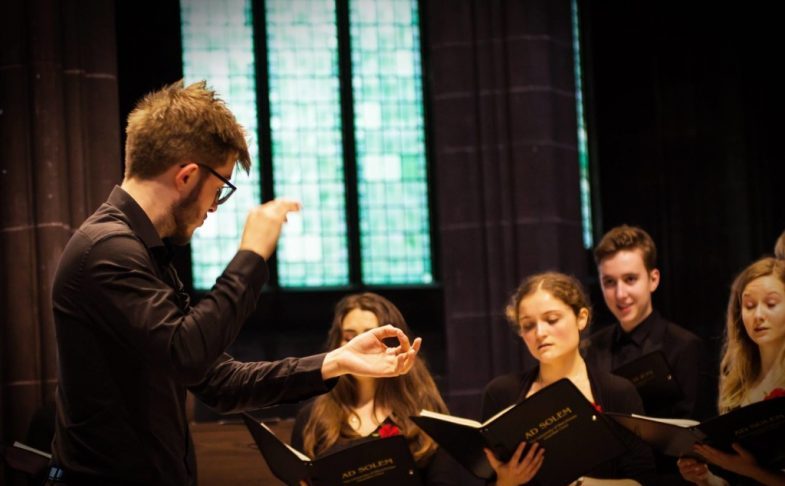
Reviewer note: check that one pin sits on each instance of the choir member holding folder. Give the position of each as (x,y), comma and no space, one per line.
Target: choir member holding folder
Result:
(752,368)
(626,259)
(361,408)
(549,311)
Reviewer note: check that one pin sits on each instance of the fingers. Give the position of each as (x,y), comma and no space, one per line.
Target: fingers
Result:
(516,456)
(709,453)
(740,450)
(518,469)
(283,205)
(691,465)
(263,226)
(495,463)
(537,463)
(687,462)
(410,357)
(371,357)
(416,344)
(277,209)
(534,459)
(403,341)
(389,331)
(691,469)
(533,456)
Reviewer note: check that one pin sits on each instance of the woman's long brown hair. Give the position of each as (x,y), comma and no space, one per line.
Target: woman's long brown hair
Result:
(405,395)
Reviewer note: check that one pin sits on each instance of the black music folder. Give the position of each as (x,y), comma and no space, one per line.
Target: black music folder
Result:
(376,462)
(654,380)
(758,427)
(576,437)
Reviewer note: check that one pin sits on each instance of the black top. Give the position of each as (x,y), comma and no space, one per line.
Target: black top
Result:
(129,343)
(611,347)
(439,470)
(611,393)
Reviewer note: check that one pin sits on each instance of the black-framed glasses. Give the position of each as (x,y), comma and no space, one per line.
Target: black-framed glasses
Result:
(224,192)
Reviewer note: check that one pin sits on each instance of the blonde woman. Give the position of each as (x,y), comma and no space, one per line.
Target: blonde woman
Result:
(752,367)
(779,247)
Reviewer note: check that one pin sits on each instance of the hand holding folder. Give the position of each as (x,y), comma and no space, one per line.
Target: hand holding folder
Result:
(758,428)
(575,436)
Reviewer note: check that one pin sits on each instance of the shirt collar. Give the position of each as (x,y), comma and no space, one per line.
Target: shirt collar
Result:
(648,327)
(141,225)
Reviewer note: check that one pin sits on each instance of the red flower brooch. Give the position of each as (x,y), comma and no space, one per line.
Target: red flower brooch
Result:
(389,430)
(775,393)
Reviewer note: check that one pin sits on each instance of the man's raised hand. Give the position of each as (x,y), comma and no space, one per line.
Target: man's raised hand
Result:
(263,226)
(368,355)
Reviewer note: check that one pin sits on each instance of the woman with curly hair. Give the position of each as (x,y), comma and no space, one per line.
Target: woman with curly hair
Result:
(548,311)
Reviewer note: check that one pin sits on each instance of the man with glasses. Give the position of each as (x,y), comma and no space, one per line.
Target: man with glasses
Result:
(225,191)
(130,342)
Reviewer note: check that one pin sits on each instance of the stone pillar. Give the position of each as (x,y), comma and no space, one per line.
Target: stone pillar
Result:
(505,159)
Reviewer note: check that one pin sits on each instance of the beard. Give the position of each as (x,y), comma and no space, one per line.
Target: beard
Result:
(186,214)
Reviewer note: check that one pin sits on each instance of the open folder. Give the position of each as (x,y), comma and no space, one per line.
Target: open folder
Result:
(576,437)
(654,380)
(376,462)
(759,428)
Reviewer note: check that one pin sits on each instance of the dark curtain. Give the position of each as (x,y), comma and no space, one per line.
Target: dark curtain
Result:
(505,166)
(59,157)
(688,110)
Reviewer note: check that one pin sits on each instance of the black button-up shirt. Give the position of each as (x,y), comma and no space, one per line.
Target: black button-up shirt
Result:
(130,343)
(627,346)
(611,347)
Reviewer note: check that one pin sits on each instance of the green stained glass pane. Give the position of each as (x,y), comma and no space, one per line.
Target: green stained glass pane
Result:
(583,146)
(217,38)
(390,142)
(305,126)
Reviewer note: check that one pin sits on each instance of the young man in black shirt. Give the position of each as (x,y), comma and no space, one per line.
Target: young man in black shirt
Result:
(130,342)
(626,263)
(626,259)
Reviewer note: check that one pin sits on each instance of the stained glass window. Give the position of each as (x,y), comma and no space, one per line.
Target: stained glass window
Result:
(390,142)
(218,47)
(307,159)
(583,145)
(305,123)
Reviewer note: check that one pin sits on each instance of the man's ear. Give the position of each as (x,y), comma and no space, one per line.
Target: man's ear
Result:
(185,176)
(654,280)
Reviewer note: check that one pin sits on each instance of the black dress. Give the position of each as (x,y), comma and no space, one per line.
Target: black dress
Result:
(611,394)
